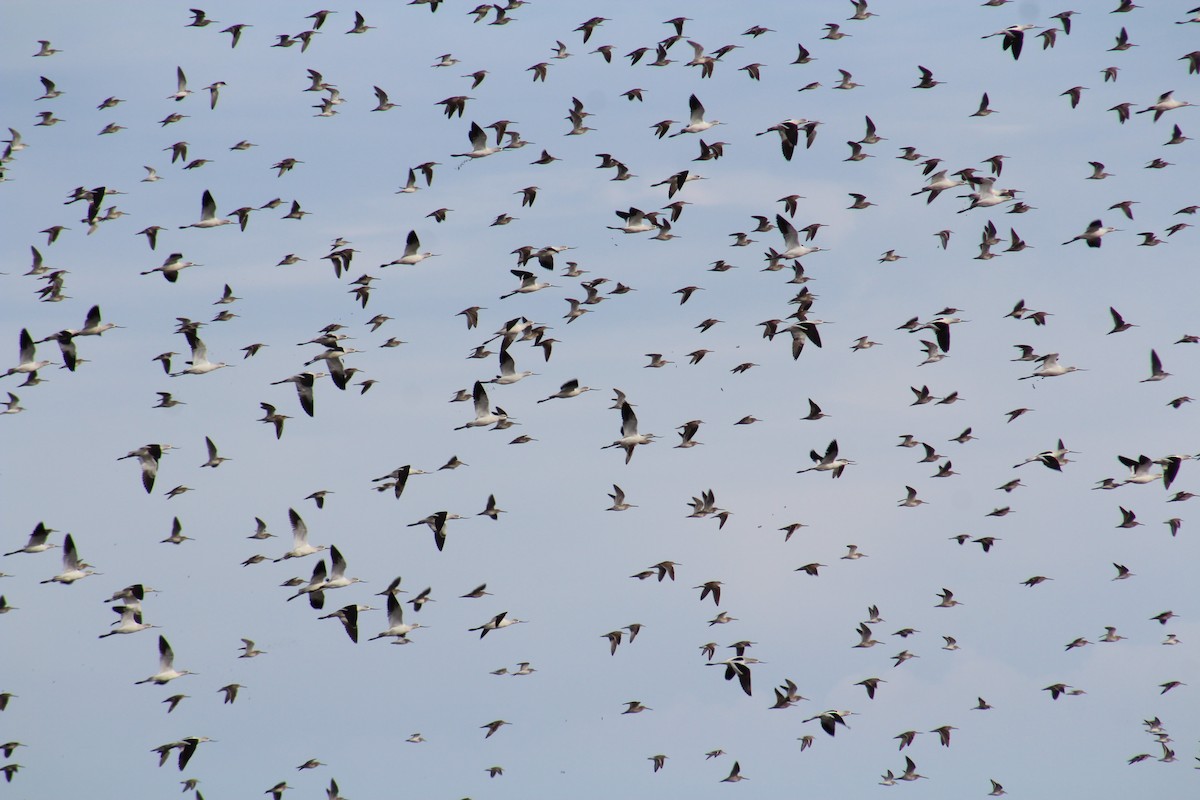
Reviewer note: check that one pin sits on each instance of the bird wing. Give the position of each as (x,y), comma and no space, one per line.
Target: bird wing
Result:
(70,555)
(395,611)
(481,400)
(199,350)
(149,462)
(337,563)
(477,136)
(208,206)
(166,656)
(26,346)
(508,366)
(629,423)
(790,237)
(299,529)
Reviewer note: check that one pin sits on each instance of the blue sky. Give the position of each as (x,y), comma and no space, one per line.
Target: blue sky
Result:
(557,558)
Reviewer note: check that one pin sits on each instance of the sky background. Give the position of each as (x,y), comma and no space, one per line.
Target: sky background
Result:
(557,558)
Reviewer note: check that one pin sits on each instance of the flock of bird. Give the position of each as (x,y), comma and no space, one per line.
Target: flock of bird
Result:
(836,372)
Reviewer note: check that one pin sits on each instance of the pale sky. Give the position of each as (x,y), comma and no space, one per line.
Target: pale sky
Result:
(557,559)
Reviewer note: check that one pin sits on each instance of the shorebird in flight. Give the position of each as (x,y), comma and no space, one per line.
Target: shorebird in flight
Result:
(1096,231)
(483,416)
(148,456)
(37,541)
(828,462)
(697,122)
(412,252)
(208,214)
(501,620)
(630,438)
(26,353)
(73,569)
(397,628)
(199,363)
(300,545)
(166,665)
(479,144)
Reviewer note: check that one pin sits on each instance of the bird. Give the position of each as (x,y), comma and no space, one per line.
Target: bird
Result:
(948,600)
(501,620)
(910,771)
(483,416)
(479,145)
(1166,102)
(926,81)
(735,774)
(148,457)
(208,214)
(176,536)
(348,616)
(231,691)
(26,350)
(314,588)
(397,628)
(300,544)
(1156,369)
(697,122)
(493,726)
(360,26)
(829,720)
(37,542)
(412,254)
(214,460)
(171,267)
(791,240)
(272,417)
(200,365)
(249,651)
(130,621)
(304,382)
(45,50)
(1050,369)
(166,666)
(829,462)
(492,511)
(630,438)
(181,90)
(911,500)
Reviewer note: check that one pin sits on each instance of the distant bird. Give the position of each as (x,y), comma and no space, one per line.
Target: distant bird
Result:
(1156,369)
(231,691)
